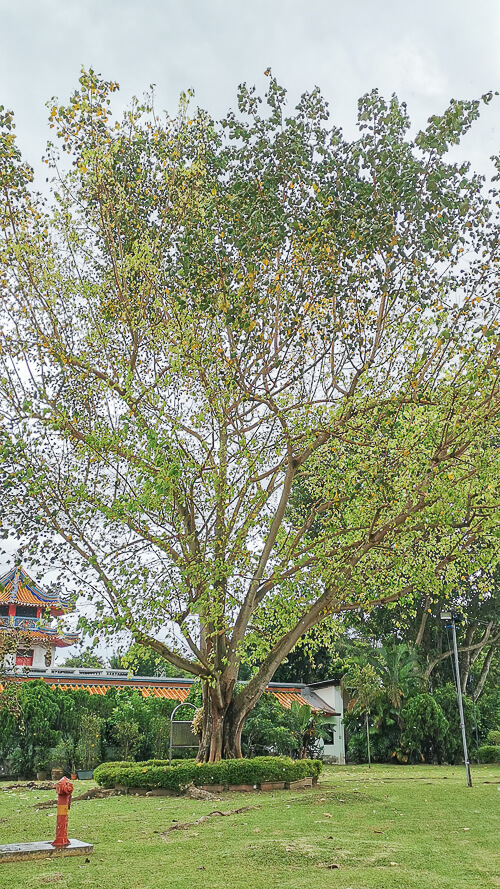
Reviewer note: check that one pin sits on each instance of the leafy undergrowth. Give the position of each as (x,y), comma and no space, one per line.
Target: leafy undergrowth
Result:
(383,828)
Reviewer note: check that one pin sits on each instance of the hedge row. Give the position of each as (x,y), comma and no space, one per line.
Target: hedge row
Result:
(157,773)
(489,753)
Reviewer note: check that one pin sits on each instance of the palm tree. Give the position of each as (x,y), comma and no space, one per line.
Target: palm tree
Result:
(397,669)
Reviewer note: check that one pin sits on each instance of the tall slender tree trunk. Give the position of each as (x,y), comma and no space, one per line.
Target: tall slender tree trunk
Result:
(368,739)
(484,673)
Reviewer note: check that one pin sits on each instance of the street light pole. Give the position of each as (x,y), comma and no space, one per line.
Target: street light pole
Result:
(448,615)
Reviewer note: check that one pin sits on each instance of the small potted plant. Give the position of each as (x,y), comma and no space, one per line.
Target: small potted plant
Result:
(58,760)
(41,765)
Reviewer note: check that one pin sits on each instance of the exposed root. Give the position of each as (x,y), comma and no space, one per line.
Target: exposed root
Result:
(32,785)
(93,793)
(185,825)
(193,792)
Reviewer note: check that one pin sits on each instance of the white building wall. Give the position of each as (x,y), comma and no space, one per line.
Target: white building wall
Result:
(331,695)
(335,752)
(39,652)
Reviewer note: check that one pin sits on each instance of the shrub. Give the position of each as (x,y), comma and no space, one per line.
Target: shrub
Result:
(127,737)
(89,743)
(269,729)
(489,753)
(425,728)
(451,746)
(494,738)
(158,773)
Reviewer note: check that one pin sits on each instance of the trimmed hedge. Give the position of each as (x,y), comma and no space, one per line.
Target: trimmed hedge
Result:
(158,773)
(493,738)
(489,753)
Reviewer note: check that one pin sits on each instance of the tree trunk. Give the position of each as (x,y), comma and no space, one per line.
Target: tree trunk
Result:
(484,674)
(368,739)
(222,726)
(423,621)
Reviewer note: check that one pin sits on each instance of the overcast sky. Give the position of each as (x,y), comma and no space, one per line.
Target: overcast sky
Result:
(427,52)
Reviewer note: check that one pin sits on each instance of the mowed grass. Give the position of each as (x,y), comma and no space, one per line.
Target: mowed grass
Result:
(390,826)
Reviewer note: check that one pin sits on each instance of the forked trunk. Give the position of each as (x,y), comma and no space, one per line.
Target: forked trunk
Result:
(222,726)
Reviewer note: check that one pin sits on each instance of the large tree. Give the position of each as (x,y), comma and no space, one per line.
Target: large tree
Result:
(198,313)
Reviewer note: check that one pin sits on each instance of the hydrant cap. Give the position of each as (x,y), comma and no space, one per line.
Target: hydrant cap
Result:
(64,786)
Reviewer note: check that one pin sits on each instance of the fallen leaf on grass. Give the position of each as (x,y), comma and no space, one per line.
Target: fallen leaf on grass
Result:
(327,815)
(333,866)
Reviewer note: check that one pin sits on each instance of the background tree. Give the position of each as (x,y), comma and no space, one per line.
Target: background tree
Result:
(142,661)
(452,747)
(85,659)
(207,312)
(426,728)
(11,641)
(417,624)
(367,693)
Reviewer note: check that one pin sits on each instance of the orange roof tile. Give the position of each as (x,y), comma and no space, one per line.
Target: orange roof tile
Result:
(99,686)
(173,694)
(286,697)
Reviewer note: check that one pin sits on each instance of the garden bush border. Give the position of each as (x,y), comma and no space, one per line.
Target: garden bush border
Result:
(247,774)
(489,753)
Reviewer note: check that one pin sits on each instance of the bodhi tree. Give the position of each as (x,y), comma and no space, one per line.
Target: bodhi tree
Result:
(201,309)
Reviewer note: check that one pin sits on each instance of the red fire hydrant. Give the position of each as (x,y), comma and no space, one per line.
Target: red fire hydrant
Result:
(64,791)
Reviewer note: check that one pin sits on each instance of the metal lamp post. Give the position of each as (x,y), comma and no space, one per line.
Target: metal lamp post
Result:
(452,616)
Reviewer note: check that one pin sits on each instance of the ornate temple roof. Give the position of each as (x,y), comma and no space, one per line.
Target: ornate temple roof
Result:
(16,586)
(51,636)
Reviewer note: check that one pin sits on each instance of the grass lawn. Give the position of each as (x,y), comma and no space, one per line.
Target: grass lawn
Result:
(390,826)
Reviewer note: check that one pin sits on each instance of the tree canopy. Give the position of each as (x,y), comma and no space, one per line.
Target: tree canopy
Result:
(248,369)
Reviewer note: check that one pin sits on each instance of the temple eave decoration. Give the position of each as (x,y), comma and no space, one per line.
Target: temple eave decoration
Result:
(54,637)
(26,607)
(17,587)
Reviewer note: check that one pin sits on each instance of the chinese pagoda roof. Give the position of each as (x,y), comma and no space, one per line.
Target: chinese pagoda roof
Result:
(16,586)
